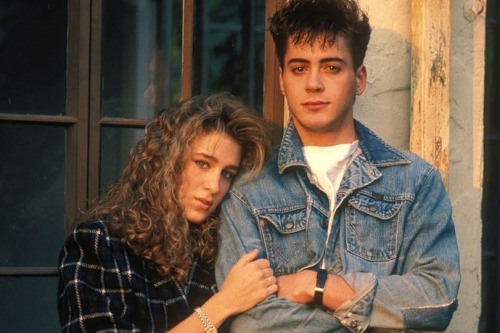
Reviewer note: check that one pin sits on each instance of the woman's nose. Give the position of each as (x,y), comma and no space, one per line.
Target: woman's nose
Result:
(212,183)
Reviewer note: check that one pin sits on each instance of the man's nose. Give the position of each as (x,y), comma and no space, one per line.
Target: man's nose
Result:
(314,81)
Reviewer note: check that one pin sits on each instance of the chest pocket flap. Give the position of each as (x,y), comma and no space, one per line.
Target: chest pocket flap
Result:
(372,225)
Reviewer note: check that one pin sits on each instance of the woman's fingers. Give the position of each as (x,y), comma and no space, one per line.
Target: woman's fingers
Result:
(247,258)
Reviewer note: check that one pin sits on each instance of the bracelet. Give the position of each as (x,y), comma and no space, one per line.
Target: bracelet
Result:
(320,287)
(207,324)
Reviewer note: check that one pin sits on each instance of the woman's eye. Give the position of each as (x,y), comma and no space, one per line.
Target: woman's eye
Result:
(228,175)
(202,164)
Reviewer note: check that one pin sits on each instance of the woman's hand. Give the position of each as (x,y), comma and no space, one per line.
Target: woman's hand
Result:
(249,282)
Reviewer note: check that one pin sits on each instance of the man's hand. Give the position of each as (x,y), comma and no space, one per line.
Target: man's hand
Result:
(299,288)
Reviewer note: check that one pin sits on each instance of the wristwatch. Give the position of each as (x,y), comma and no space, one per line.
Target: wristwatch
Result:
(320,287)
(207,324)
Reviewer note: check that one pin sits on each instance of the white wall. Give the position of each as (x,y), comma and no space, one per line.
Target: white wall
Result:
(385,108)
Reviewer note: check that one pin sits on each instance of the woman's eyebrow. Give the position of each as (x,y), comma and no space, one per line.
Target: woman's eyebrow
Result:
(213,158)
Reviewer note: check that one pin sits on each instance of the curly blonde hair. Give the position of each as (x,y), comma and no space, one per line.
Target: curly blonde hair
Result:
(143,206)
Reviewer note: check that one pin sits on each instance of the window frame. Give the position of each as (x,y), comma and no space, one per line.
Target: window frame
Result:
(83,120)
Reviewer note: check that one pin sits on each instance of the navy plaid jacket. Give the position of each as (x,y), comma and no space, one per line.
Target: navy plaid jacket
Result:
(105,287)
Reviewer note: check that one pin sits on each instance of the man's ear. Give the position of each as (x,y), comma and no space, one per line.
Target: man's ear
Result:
(361,76)
(282,88)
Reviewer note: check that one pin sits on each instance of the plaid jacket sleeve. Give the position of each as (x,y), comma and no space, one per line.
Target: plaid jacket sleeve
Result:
(95,292)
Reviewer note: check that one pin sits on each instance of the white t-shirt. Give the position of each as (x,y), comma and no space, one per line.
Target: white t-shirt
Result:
(328,165)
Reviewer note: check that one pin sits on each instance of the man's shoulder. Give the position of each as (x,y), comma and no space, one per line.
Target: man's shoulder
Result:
(415,161)
(381,153)
(268,174)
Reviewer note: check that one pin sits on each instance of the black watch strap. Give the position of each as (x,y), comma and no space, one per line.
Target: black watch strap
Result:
(320,287)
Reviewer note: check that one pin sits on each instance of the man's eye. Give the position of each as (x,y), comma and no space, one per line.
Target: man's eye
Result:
(298,69)
(333,68)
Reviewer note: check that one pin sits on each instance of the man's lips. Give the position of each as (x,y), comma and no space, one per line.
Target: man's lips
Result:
(314,105)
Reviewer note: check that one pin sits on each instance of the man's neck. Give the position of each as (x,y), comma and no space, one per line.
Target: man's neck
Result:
(327,138)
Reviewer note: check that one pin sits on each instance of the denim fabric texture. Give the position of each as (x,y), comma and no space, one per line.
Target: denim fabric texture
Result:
(393,239)
(105,287)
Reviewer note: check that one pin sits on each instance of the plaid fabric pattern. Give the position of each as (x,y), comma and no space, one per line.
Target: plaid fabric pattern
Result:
(105,287)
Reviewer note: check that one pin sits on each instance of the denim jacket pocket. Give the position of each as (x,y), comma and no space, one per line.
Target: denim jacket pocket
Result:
(372,225)
(287,238)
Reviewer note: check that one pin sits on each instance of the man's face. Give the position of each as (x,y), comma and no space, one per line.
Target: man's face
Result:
(320,85)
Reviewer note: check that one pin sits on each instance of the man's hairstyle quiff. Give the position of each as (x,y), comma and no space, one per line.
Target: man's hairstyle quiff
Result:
(304,21)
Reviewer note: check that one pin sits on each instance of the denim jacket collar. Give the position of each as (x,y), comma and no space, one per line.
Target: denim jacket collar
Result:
(375,151)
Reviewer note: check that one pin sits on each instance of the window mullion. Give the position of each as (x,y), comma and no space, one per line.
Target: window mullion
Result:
(273,99)
(187,47)
(77,107)
(95,97)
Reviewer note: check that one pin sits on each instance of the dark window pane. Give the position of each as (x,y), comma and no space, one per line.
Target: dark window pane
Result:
(28,305)
(115,147)
(33,56)
(141,56)
(31,194)
(229,48)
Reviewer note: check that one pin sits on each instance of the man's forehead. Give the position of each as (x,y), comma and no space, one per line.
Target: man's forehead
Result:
(309,39)
(321,44)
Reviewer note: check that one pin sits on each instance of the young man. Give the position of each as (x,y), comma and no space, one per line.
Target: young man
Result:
(359,234)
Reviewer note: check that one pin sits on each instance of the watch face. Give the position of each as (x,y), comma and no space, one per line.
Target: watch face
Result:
(212,330)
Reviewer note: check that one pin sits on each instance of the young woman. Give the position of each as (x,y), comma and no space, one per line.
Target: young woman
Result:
(143,259)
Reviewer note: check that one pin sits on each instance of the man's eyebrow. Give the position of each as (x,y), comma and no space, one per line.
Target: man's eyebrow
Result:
(294,60)
(324,60)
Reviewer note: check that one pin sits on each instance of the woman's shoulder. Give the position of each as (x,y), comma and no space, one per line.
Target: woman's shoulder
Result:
(92,228)
(96,224)
(92,234)
(92,242)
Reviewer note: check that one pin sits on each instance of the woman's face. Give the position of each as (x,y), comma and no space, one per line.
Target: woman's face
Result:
(207,174)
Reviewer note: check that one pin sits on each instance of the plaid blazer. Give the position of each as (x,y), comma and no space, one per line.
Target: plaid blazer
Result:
(105,287)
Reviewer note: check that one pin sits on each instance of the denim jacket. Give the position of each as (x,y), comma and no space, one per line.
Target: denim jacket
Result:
(393,239)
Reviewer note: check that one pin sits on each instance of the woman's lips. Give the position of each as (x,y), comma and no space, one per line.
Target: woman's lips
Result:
(205,203)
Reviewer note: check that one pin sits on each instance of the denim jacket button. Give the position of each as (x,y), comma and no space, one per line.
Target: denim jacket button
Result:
(372,209)
(289,225)
(324,224)
(354,324)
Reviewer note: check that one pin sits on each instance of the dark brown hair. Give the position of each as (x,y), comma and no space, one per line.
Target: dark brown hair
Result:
(304,21)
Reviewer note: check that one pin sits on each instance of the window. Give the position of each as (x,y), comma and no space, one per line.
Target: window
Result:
(34,126)
(78,82)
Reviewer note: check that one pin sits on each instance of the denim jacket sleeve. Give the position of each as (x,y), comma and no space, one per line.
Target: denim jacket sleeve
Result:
(421,292)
